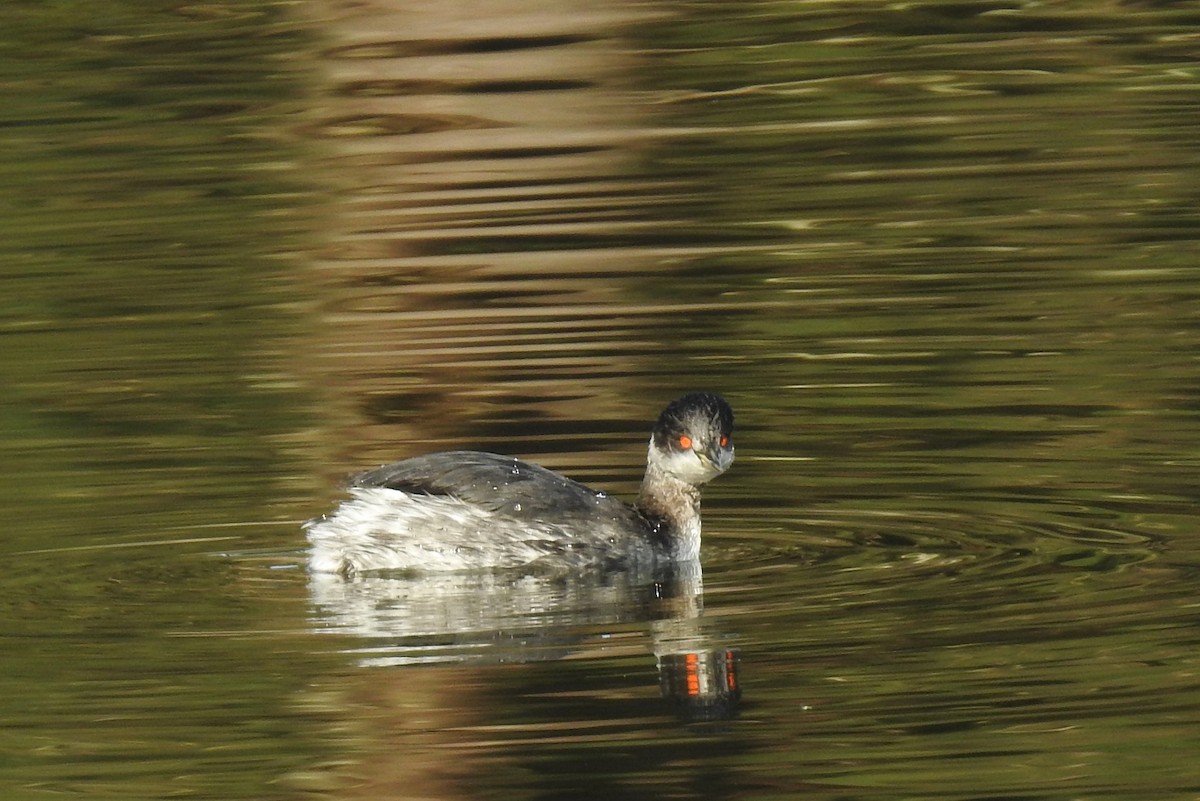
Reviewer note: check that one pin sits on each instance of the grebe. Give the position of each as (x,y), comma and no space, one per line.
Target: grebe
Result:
(466,510)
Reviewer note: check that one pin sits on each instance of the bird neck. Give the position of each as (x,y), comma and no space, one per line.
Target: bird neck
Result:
(673,507)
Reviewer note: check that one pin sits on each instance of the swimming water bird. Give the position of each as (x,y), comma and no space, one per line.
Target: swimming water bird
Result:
(467,510)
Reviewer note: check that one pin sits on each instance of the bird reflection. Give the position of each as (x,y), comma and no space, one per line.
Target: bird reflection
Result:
(517,617)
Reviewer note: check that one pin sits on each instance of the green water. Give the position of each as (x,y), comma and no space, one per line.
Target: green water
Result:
(941,257)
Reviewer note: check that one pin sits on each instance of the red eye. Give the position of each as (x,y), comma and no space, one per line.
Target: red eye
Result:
(724,442)
(685,441)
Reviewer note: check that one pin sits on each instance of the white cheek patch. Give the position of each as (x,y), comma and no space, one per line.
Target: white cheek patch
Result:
(686,466)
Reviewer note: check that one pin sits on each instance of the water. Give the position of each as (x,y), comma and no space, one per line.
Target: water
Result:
(940,257)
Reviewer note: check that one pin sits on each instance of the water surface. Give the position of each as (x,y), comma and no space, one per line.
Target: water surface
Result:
(940,258)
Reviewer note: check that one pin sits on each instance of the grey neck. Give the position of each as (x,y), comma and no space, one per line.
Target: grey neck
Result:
(674,506)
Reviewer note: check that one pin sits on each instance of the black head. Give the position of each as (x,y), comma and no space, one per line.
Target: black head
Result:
(693,438)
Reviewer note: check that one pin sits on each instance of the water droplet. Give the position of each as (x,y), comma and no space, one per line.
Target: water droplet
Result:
(516,507)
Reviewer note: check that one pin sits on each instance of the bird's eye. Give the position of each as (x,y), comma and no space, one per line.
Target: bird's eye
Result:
(724,442)
(685,441)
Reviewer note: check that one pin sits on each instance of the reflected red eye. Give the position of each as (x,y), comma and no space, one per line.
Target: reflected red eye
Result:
(724,442)
(685,441)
